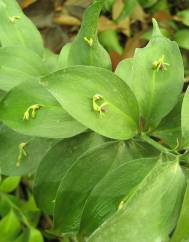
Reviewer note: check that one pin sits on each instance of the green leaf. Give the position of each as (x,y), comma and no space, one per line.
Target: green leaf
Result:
(151,212)
(86,49)
(21,63)
(182,38)
(129,6)
(79,181)
(123,68)
(20,100)
(113,190)
(169,130)
(185,119)
(9,227)
(184,16)
(147,3)
(9,184)
(58,161)
(77,88)
(157,78)
(36,149)
(16,29)
(35,235)
(182,230)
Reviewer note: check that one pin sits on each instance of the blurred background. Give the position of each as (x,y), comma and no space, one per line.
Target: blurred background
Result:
(123,26)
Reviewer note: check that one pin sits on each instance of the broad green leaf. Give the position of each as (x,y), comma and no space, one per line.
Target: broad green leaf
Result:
(151,213)
(35,235)
(184,16)
(79,181)
(58,161)
(113,190)
(9,227)
(86,49)
(22,98)
(185,119)
(157,78)
(9,184)
(124,69)
(169,129)
(36,149)
(18,64)
(182,230)
(17,29)
(182,38)
(77,88)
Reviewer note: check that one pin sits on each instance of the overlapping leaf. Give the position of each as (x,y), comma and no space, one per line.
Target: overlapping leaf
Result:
(50,119)
(86,49)
(78,89)
(17,29)
(150,214)
(58,161)
(18,64)
(185,119)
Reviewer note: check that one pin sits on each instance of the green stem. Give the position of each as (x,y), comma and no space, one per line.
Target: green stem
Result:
(155,144)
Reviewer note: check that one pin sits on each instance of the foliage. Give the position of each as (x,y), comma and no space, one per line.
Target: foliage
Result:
(88,153)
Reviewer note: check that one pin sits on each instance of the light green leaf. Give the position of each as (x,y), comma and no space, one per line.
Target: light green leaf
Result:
(157,78)
(184,16)
(9,184)
(79,181)
(81,90)
(182,230)
(18,64)
(58,161)
(182,38)
(185,119)
(17,29)
(9,227)
(113,191)
(86,49)
(36,149)
(35,235)
(16,113)
(151,213)
(123,70)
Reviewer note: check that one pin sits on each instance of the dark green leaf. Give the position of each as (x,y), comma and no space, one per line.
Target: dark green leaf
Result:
(113,190)
(58,161)
(36,149)
(185,119)
(151,213)
(79,181)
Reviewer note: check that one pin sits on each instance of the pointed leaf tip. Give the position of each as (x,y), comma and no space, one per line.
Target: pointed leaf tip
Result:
(156,30)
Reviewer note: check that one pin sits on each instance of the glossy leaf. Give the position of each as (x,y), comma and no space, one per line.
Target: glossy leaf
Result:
(185,119)
(58,161)
(21,98)
(79,181)
(182,230)
(18,64)
(17,29)
(86,49)
(151,213)
(76,88)
(157,78)
(115,188)
(36,149)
